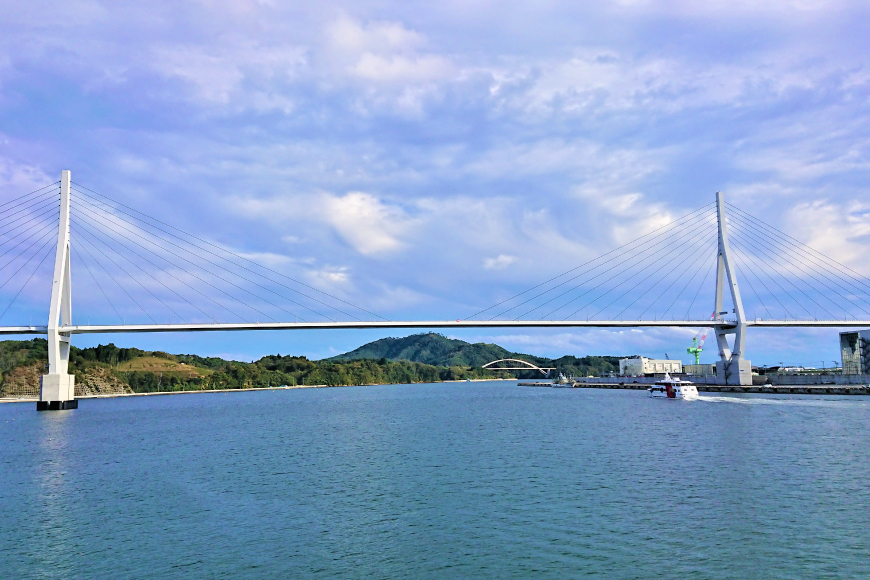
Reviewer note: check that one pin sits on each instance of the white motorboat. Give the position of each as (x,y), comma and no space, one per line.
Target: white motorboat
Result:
(673,388)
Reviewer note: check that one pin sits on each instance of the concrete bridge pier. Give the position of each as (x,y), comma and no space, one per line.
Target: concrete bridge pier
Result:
(57,387)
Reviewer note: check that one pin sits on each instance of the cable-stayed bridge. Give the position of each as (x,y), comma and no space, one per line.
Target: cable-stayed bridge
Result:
(135,273)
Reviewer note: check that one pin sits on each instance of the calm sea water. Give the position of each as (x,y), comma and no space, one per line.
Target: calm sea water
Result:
(481,480)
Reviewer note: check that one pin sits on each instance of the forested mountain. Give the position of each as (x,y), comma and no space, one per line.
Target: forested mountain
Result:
(435,349)
(430,349)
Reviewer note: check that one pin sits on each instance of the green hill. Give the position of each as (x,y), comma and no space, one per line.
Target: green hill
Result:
(430,349)
(435,349)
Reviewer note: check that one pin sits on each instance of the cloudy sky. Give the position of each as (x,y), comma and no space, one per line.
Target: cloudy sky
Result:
(426,160)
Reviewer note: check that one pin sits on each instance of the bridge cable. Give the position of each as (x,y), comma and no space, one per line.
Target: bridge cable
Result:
(179,280)
(93,237)
(704,281)
(761,269)
(697,253)
(33,204)
(690,280)
(788,260)
(217,276)
(224,268)
(794,257)
(56,183)
(53,199)
(653,273)
(50,210)
(809,250)
(751,287)
(638,257)
(232,254)
(773,265)
(742,254)
(589,262)
(705,249)
(648,245)
(626,268)
(637,252)
(106,296)
(763,257)
(158,280)
(47,240)
(635,260)
(48,205)
(39,235)
(17,294)
(97,262)
(98,249)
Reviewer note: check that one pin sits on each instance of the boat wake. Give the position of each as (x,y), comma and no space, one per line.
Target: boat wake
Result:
(804,402)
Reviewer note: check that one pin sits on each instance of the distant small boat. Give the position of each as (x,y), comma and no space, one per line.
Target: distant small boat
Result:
(562,382)
(670,388)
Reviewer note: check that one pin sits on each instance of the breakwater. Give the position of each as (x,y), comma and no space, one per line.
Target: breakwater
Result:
(772,389)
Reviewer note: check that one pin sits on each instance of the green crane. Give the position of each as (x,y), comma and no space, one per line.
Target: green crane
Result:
(695,350)
(698,346)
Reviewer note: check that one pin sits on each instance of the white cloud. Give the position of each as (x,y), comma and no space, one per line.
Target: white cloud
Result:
(365,222)
(17,176)
(500,262)
(384,52)
(399,68)
(217,72)
(838,230)
(349,36)
(328,277)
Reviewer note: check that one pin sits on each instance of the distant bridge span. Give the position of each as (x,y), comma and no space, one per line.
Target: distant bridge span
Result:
(529,366)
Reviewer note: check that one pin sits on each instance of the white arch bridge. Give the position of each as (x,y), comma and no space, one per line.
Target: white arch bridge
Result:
(525,366)
(647,271)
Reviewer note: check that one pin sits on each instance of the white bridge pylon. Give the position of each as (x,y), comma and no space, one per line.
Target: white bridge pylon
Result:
(528,366)
(57,385)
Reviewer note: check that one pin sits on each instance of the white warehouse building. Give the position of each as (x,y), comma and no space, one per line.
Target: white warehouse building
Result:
(639,366)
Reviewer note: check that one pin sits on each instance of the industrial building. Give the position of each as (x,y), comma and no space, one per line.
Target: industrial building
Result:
(855,350)
(639,366)
(707,370)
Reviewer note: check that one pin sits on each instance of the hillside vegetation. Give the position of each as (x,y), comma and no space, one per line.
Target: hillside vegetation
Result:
(431,348)
(436,349)
(421,358)
(109,369)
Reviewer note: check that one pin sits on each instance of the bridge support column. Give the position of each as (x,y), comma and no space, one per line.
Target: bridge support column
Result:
(732,368)
(57,388)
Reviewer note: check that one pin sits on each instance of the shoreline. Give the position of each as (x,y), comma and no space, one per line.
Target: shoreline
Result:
(286,387)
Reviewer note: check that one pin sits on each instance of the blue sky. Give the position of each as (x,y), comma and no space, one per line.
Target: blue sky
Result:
(426,160)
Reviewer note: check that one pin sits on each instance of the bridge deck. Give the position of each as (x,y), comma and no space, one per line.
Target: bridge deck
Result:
(197,327)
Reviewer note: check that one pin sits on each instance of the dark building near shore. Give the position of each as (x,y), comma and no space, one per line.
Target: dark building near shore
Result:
(855,350)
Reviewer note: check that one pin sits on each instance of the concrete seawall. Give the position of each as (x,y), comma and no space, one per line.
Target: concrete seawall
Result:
(774,389)
(758,380)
